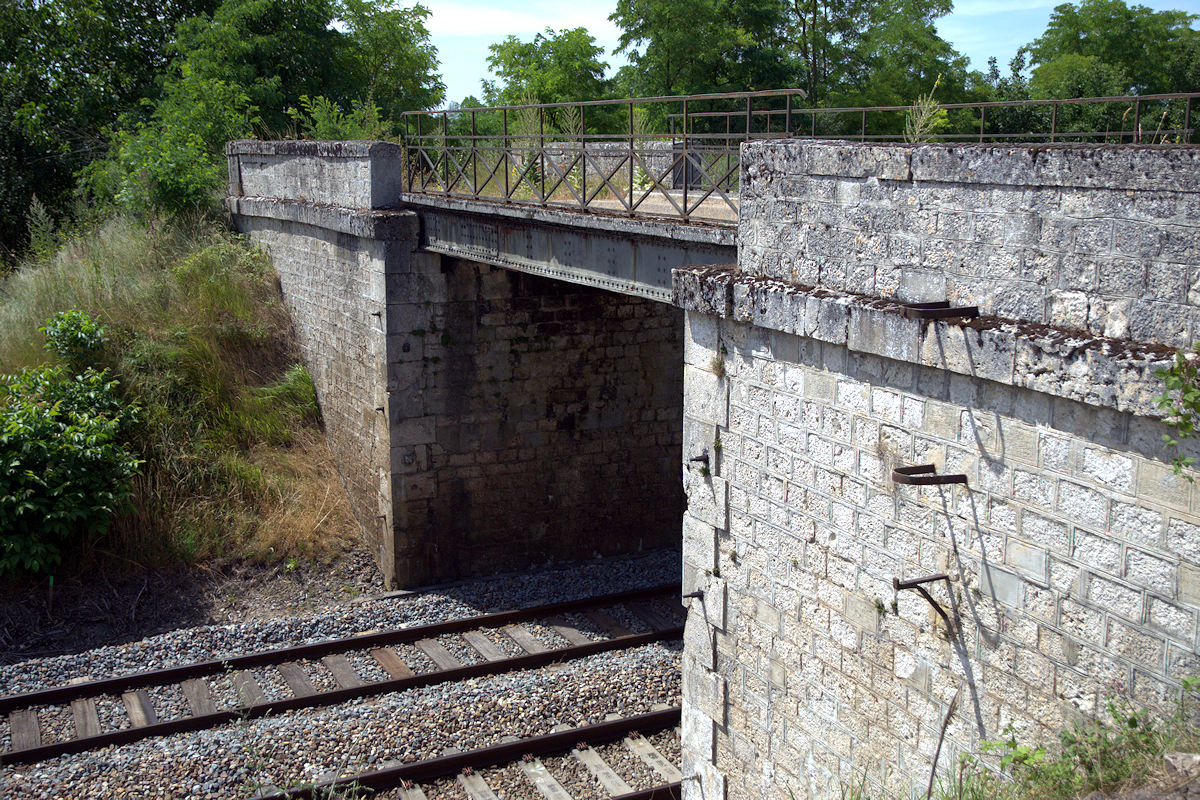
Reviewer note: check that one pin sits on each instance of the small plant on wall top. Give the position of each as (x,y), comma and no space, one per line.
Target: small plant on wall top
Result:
(1181,400)
(925,117)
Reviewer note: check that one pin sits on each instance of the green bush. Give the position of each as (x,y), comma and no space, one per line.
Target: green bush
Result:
(77,339)
(323,119)
(64,468)
(176,162)
(1181,401)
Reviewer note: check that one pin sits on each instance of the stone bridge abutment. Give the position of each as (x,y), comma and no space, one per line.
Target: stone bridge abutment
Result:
(500,389)
(505,384)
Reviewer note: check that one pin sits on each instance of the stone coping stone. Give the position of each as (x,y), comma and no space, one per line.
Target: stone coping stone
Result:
(305,147)
(1095,166)
(608,223)
(388,224)
(1099,371)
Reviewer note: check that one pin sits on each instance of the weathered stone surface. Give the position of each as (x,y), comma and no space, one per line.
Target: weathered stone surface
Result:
(1087,238)
(1073,551)
(1091,369)
(359,175)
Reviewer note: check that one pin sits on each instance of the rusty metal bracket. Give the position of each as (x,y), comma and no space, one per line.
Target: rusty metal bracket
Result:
(919,585)
(925,475)
(938,310)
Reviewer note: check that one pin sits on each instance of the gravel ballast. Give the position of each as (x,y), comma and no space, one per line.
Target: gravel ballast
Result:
(241,759)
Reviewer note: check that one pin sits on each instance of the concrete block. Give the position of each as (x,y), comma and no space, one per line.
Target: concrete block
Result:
(701,339)
(716,600)
(707,692)
(698,640)
(1002,585)
(705,396)
(883,332)
(1183,539)
(861,612)
(699,731)
(1189,584)
(1030,560)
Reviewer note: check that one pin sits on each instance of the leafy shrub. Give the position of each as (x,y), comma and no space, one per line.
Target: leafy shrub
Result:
(75,338)
(66,469)
(322,118)
(176,162)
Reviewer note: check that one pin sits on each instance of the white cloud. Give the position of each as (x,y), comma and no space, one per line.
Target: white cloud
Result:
(980,8)
(456,18)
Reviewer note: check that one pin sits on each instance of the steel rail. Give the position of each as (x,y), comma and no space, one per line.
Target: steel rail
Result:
(444,766)
(203,721)
(62,694)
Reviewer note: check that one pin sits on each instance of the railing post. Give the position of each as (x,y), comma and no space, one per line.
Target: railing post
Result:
(1187,120)
(686,160)
(631,155)
(583,194)
(407,158)
(749,117)
(445,153)
(788,127)
(1053,120)
(474,159)
(862,134)
(504,148)
(542,150)
(982,122)
(1137,121)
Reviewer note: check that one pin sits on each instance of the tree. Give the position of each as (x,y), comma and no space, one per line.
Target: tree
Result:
(68,70)
(555,67)
(274,50)
(1088,46)
(694,46)
(899,56)
(826,34)
(395,61)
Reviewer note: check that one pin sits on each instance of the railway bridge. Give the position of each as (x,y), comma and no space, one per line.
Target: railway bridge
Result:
(910,390)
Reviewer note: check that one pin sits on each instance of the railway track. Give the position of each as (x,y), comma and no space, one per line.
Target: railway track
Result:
(331,672)
(544,778)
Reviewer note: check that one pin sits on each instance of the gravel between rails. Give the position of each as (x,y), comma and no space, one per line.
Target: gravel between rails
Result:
(238,760)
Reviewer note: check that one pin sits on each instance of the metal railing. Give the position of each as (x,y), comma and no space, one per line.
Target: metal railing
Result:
(679,156)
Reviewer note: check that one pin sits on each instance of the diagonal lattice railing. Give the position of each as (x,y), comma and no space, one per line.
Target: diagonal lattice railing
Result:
(679,156)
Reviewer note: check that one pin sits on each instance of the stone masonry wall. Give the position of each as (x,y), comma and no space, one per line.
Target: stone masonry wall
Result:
(482,419)
(332,265)
(1100,239)
(1072,552)
(543,423)
(362,175)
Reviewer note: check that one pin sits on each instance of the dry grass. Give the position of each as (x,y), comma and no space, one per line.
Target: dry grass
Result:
(308,515)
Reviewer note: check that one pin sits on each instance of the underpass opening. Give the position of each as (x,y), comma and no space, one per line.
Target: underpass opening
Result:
(553,416)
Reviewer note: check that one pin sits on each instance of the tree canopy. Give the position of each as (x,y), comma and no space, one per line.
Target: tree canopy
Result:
(694,46)
(1109,47)
(556,66)
(69,69)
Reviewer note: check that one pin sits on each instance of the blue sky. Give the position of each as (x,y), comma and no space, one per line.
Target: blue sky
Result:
(463,29)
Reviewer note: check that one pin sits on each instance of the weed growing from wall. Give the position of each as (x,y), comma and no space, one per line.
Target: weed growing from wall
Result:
(1181,400)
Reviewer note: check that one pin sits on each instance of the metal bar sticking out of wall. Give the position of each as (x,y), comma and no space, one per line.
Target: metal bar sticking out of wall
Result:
(925,475)
(938,310)
(919,585)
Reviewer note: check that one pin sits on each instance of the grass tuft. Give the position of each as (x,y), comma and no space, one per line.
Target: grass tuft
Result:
(1121,751)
